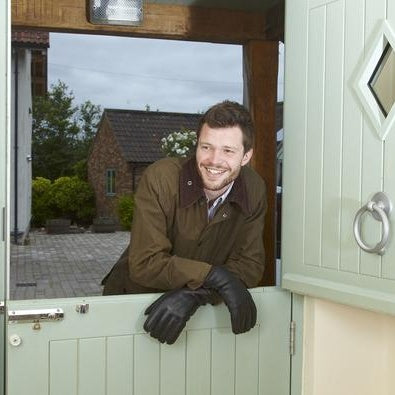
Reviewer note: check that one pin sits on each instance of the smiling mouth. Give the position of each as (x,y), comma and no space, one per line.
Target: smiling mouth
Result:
(214,171)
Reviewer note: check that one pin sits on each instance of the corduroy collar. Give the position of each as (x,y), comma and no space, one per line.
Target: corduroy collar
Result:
(191,187)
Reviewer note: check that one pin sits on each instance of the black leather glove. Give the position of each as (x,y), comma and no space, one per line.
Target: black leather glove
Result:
(168,315)
(236,297)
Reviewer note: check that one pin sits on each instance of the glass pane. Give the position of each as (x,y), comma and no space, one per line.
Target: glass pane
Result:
(112,181)
(382,83)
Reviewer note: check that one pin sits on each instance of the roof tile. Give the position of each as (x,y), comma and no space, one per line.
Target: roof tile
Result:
(35,38)
(139,133)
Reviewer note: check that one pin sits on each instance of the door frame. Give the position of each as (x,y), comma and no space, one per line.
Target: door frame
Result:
(259,32)
(5,124)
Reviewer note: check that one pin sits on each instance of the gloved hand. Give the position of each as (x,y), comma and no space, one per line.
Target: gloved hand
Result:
(236,297)
(168,315)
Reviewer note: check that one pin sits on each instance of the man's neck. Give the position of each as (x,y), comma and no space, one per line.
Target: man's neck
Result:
(212,195)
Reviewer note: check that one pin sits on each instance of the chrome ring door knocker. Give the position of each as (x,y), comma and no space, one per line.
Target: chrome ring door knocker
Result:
(380,207)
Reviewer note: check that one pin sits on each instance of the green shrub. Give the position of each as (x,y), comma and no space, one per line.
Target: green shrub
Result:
(41,209)
(73,198)
(66,197)
(125,206)
(80,169)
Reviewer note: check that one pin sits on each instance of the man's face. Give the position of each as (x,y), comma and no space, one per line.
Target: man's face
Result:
(219,157)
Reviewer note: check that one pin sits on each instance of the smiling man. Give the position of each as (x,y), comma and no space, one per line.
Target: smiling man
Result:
(197,230)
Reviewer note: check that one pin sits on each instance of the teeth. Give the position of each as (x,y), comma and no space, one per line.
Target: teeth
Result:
(214,171)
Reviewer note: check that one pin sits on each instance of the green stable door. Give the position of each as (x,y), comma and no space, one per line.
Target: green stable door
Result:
(97,346)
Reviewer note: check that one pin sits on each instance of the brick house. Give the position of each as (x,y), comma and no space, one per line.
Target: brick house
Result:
(127,141)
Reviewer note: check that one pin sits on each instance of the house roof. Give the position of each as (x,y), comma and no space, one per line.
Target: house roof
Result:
(139,132)
(30,38)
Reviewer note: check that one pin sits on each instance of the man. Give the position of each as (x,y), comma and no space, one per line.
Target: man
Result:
(197,229)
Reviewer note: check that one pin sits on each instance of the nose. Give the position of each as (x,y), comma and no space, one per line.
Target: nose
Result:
(215,156)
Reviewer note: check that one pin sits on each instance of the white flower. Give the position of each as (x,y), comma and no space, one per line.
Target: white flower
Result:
(179,143)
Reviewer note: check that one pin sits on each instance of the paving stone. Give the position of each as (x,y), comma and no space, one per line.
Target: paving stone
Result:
(69,265)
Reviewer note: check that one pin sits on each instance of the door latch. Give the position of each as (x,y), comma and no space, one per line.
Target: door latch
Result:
(35,316)
(82,308)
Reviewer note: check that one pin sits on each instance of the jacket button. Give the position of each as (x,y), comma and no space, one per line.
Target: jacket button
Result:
(224,215)
(189,182)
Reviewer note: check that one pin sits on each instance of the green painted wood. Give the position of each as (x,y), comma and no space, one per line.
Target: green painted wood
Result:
(91,366)
(388,267)
(273,342)
(63,367)
(334,159)
(314,137)
(352,137)
(333,134)
(222,362)
(294,163)
(107,352)
(298,357)
(120,375)
(372,152)
(173,367)
(247,363)
(28,360)
(198,360)
(146,365)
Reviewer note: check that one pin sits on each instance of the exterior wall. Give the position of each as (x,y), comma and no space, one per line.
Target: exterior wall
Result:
(347,350)
(39,72)
(24,168)
(105,155)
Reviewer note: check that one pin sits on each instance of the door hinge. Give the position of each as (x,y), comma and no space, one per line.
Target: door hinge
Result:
(2,307)
(292,330)
(3,225)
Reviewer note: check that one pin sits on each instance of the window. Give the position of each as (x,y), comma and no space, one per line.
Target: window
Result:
(382,81)
(110,182)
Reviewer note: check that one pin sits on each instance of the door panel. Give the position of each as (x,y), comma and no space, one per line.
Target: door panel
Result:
(389,166)
(106,350)
(334,158)
(351,176)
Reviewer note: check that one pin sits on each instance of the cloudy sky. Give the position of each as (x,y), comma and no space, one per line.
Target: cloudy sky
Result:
(131,73)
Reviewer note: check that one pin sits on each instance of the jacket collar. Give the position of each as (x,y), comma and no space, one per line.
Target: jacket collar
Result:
(191,187)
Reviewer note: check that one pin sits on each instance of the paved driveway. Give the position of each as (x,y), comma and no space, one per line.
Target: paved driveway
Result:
(59,266)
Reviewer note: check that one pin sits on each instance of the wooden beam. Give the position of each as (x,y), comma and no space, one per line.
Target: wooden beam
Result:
(260,59)
(275,18)
(160,21)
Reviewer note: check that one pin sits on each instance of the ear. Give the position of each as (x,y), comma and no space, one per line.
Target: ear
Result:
(247,156)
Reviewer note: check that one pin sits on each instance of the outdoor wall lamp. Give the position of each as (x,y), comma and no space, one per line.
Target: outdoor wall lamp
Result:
(116,12)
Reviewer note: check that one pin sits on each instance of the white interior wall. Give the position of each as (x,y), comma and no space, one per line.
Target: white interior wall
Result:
(347,351)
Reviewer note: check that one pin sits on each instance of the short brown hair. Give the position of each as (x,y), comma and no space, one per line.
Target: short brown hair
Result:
(228,114)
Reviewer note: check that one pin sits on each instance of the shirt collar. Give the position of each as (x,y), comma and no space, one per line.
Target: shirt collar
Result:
(191,187)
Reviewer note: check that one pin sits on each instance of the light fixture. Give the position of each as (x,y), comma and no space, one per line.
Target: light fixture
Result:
(116,12)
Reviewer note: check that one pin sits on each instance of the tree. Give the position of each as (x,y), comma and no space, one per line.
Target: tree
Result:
(88,117)
(62,132)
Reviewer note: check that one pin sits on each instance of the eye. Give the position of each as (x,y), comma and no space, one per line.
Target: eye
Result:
(204,147)
(228,151)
